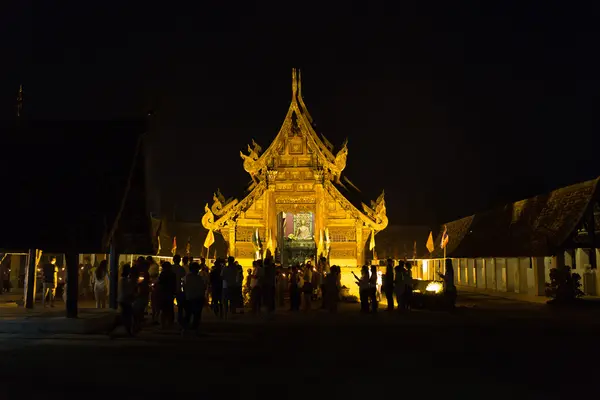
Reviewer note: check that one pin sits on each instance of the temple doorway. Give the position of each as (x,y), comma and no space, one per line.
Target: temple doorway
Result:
(295,237)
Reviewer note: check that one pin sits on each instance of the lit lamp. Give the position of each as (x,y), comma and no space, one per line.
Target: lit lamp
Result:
(434,287)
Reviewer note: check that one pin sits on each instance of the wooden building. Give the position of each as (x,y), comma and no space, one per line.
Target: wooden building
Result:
(73,188)
(512,248)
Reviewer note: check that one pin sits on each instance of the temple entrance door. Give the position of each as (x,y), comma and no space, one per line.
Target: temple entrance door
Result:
(295,237)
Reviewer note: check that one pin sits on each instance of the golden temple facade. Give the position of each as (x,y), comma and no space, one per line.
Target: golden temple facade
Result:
(294,207)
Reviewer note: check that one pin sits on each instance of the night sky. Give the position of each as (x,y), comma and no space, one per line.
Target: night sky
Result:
(451,109)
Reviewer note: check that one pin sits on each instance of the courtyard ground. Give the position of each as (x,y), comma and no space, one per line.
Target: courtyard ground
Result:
(488,348)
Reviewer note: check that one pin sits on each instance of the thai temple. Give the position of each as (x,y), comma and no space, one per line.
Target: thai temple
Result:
(299,205)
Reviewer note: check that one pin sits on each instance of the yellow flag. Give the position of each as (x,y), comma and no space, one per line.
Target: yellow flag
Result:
(270,242)
(429,245)
(372,244)
(210,239)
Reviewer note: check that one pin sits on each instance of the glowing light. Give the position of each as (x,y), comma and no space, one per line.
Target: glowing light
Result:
(425,265)
(62,269)
(39,269)
(283,275)
(81,268)
(435,287)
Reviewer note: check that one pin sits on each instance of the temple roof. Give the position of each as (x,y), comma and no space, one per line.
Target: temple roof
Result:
(298,123)
(537,226)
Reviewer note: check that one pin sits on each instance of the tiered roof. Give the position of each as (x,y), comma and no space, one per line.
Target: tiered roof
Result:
(329,168)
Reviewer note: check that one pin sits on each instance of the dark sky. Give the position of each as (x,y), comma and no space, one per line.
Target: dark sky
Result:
(451,109)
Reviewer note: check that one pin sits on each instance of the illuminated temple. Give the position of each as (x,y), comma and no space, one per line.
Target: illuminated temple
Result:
(295,206)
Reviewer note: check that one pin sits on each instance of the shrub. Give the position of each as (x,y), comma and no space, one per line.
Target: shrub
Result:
(564,285)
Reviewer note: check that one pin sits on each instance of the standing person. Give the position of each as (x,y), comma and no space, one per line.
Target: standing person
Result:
(85,278)
(167,287)
(255,287)
(50,276)
(388,284)
(295,289)
(125,298)
(101,284)
(186,264)
(373,288)
(229,275)
(332,290)
(307,287)
(179,272)
(363,288)
(195,289)
(281,285)
(142,280)
(216,288)
(449,287)
(408,286)
(399,286)
(268,284)
(239,284)
(153,268)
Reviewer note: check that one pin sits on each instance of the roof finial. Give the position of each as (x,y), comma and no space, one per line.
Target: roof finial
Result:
(294,84)
(299,83)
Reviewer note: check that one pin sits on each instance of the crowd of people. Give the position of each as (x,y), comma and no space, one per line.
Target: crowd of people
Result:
(147,288)
(153,289)
(397,284)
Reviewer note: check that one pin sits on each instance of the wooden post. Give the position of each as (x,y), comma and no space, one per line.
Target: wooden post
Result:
(113,277)
(72,260)
(30,275)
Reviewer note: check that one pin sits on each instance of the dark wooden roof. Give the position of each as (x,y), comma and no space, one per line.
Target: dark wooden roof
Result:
(396,241)
(538,226)
(195,232)
(63,184)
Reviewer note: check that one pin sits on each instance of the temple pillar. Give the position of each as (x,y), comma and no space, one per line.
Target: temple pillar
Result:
(30,275)
(319,213)
(72,260)
(15,270)
(539,276)
(360,256)
(113,281)
(231,238)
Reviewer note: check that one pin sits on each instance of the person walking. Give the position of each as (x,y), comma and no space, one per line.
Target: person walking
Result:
(50,276)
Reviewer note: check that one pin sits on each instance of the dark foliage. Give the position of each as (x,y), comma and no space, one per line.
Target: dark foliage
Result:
(564,285)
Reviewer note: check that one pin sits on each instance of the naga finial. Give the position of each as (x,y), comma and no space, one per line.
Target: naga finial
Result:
(208,219)
(340,159)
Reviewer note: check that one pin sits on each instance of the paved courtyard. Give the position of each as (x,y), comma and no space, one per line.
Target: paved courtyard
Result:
(487,348)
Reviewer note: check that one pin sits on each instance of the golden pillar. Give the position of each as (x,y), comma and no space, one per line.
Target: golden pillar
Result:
(320,219)
(231,241)
(360,257)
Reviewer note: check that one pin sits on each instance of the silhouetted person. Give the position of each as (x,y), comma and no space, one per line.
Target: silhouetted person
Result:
(101,284)
(388,284)
(167,287)
(449,287)
(179,272)
(194,288)
(216,287)
(50,277)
